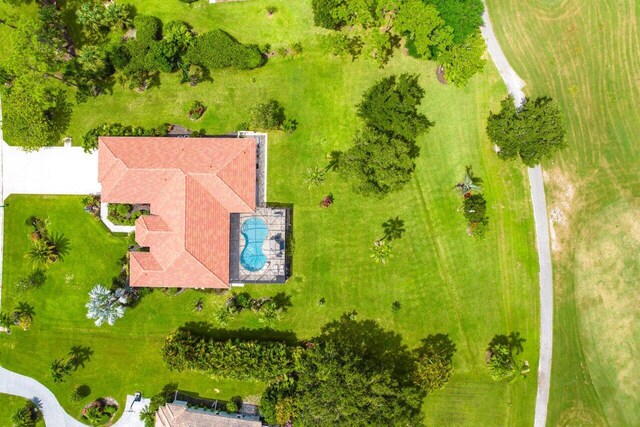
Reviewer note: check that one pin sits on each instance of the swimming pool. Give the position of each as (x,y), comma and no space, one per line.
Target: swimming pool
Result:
(254,230)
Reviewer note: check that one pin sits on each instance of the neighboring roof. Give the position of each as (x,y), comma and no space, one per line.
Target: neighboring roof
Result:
(192,186)
(172,415)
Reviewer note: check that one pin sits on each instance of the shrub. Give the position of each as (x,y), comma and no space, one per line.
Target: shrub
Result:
(23,319)
(188,1)
(80,392)
(27,416)
(148,29)
(232,359)
(268,115)
(217,49)
(33,281)
(231,407)
(196,110)
(123,214)
(90,139)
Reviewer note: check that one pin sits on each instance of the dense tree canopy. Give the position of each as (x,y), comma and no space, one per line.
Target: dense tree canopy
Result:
(534,132)
(35,112)
(354,373)
(381,159)
(463,60)
(379,163)
(425,28)
(391,107)
(447,31)
(463,16)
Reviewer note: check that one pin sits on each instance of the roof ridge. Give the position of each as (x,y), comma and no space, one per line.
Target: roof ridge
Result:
(223,167)
(194,175)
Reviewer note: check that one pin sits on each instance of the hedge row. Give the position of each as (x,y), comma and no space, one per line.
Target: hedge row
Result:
(90,139)
(231,359)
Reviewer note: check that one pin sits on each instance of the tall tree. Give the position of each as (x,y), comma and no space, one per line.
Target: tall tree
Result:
(355,373)
(463,16)
(424,27)
(463,60)
(535,132)
(391,107)
(36,112)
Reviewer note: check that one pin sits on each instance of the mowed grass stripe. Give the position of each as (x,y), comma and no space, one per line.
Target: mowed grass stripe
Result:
(586,55)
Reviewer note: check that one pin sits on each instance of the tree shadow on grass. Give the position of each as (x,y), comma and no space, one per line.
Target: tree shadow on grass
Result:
(375,346)
(282,301)
(25,308)
(78,355)
(513,341)
(438,344)
(208,330)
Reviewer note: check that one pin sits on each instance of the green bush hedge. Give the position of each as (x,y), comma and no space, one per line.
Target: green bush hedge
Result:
(90,139)
(232,359)
(217,49)
(148,29)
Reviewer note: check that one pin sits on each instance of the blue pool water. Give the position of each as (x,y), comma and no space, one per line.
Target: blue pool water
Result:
(254,230)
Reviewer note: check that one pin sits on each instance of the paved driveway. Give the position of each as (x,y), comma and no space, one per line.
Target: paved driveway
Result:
(54,170)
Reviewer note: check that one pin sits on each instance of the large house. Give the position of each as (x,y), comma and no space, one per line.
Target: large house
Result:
(208,226)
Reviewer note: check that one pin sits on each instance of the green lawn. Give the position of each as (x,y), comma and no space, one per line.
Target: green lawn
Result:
(9,405)
(445,281)
(585,54)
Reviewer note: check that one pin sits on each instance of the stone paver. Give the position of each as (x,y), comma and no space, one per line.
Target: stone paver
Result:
(514,86)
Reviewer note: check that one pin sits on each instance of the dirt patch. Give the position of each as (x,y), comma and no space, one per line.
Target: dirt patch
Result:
(579,415)
(440,75)
(560,206)
(607,276)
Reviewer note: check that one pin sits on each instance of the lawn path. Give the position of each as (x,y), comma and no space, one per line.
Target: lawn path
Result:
(19,385)
(514,85)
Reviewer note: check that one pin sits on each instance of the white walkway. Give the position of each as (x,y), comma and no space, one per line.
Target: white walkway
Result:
(53,170)
(19,385)
(514,86)
(54,415)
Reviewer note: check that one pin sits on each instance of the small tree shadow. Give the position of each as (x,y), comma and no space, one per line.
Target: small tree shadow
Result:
(25,308)
(513,341)
(282,301)
(438,344)
(265,334)
(78,355)
(393,229)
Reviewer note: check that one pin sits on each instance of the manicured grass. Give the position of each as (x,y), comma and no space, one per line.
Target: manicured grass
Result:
(445,280)
(585,54)
(9,405)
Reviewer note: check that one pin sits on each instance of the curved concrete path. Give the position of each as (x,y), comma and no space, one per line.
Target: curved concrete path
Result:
(514,86)
(19,385)
(54,415)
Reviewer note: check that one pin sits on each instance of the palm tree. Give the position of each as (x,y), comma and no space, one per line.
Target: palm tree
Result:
(393,228)
(470,183)
(315,177)
(91,15)
(104,306)
(42,254)
(60,245)
(381,251)
(147,416)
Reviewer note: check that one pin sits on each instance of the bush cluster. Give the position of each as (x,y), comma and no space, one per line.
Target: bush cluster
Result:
(123,213)
(231,359)
(90,139)
(217,49)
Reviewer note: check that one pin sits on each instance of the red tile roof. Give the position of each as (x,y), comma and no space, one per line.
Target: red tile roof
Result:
(192,187)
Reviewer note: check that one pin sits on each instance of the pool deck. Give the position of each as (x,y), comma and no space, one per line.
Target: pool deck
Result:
(273,247)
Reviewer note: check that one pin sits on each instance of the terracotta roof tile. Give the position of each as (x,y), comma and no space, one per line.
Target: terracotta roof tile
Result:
(192,186)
